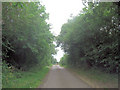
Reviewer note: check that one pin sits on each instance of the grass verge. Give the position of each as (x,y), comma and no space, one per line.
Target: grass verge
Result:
(26,79)
(96,78)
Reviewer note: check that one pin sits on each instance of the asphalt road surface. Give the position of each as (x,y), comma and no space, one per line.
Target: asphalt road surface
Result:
(59,77)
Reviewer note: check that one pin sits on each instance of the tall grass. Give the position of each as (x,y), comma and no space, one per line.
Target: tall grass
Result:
(96,78)
(24,79)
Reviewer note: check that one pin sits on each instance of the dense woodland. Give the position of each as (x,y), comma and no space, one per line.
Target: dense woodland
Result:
(90,39)
(26,39)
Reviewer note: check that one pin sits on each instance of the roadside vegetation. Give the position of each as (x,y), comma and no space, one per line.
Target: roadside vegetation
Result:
(90,41)
(24,79)
(95,78)
(27,44)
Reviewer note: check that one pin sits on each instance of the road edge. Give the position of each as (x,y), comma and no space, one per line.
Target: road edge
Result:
(45,78)
(83,79)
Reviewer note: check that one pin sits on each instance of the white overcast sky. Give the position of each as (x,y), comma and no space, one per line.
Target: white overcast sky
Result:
(59,12)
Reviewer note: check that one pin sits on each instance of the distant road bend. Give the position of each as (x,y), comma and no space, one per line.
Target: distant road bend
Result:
(59,77)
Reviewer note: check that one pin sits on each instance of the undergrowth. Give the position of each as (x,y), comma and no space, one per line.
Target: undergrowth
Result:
(23,79)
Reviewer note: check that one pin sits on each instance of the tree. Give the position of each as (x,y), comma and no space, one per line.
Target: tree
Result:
(27,40)
(91,38)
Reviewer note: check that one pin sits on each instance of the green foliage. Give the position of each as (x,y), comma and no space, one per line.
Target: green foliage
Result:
(96,78)
(7,76)
(91,38)
(54,61)
(63,60)
(26,37)
(20,79)
(27,43)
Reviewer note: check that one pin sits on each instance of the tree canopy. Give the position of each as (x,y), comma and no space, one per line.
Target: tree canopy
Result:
(27,40)
(90,39)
